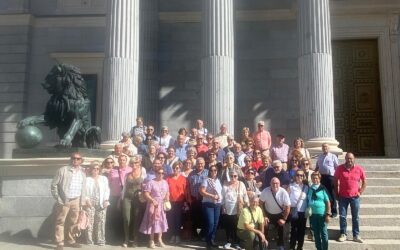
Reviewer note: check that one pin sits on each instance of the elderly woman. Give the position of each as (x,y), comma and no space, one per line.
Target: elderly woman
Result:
(156,192)
(298,200)
(257,159)
(244,135)
(212,159)
(299,150)
(132,207)
(191,154)
(171,156)
(97,195)
(251,225)
(167,168)
(107,166)
(178,188)
(318,201)
(294,165)
(166,139)
(184,133)
(128,144)
(187,168)
(250,183)
(229,166)
(234,198)
(307,171)
(211,190)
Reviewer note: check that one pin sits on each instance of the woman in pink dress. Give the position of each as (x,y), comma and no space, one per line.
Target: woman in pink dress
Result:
(154,221)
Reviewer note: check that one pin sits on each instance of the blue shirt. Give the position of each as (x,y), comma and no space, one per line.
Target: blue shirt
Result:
(327,164)
(180,151)
(216,189)
(283,177)
(195,180)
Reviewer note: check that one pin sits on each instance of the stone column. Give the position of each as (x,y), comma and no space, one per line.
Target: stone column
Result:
(218,64)
(317,118)
(120,87)
(148,69)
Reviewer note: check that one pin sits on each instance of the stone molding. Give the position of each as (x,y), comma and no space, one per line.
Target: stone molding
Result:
(16,20)
(378,27)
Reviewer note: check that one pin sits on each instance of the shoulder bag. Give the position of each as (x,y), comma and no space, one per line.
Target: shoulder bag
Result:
(294,215)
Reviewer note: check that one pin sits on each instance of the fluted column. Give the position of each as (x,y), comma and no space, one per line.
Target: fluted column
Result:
(218,64)
(120,87)
(148,66)
(317,119)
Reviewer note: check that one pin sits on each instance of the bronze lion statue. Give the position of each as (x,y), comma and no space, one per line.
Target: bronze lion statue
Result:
(68,109)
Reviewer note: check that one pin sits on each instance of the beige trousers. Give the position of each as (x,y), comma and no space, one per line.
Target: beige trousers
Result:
(66,216)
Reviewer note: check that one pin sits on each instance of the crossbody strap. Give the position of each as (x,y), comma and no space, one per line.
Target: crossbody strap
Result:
(252,217)
(273,195)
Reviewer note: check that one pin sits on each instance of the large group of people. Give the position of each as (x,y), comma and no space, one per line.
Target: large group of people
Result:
(189,187)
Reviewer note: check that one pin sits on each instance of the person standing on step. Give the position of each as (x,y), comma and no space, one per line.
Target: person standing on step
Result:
(348,190)
(326,165)
(69,189)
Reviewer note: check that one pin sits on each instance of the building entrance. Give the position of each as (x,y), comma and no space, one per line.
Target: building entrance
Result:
(358,111)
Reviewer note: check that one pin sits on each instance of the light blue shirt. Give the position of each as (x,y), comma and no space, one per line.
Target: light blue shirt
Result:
(180,152)
(327,164)
(217,190)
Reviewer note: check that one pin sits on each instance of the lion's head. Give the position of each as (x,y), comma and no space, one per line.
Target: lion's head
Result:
(66,80)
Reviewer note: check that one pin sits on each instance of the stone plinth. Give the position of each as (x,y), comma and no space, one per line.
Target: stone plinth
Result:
(54,152)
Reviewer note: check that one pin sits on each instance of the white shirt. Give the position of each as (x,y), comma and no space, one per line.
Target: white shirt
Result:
(327,164)
(230,196)
(296,192)
(282,197)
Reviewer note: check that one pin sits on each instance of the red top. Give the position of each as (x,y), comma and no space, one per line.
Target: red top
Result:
(349,180)
(201,150)
(177,188)
(256,164)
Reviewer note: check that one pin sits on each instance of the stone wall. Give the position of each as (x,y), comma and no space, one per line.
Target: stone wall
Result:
(14,65)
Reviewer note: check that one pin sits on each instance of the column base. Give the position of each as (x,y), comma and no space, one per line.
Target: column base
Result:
(108,145)
(314,146)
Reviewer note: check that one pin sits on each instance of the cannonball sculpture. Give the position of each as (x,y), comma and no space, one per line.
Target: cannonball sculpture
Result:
(28,137)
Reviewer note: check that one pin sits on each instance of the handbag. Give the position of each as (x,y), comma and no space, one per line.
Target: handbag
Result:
(167,206)
(239,201)
(82,220)
(294,215)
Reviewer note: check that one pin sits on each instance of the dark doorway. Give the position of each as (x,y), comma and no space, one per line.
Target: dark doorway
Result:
(91,83)
(358,111)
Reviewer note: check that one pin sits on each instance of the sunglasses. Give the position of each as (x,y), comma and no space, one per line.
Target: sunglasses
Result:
(252,173)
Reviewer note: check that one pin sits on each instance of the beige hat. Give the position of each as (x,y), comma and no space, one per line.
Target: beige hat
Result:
(261,123)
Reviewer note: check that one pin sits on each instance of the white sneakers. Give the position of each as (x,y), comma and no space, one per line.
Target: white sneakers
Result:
(342,238)
(358,239)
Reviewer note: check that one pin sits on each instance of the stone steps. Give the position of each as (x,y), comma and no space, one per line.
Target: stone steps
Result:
(382,189)
(380,198)
(382,174)
(386,181)
(371,220)
(369,244)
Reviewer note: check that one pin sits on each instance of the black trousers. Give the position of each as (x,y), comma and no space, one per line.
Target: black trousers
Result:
(196,215)
(297,231)
(273,220)
(328,182)
(230,224)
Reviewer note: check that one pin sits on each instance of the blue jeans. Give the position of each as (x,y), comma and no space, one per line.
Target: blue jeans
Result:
(320,230)
(355,208)
(211,212)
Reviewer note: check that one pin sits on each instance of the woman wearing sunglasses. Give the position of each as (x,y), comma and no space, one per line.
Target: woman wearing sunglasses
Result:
(298,193)
(234,198)
(211,190)
(156,192)
(97,195)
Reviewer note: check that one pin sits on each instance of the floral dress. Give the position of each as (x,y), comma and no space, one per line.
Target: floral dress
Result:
(154,219)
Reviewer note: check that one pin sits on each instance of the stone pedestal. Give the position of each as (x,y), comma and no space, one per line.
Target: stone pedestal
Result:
(317,118)
(120,82)
(218,72)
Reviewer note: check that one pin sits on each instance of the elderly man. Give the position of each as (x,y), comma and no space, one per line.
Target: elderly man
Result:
(118,150)
(217,150)
(276,171)
(231,143)
(201,130)
(280,151)
(195,179)
(222,136)
(326,165)
(276,208)
(251,224)
(68,188)
(239,154)
(181,148)
(348,190)
(201,148)
(262,138)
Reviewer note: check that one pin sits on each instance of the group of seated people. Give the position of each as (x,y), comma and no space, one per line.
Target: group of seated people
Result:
(197,183)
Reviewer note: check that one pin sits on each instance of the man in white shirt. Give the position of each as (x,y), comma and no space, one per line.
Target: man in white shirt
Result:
(276,206)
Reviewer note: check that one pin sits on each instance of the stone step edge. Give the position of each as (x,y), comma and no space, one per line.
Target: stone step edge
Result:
(366,242)
(370,228)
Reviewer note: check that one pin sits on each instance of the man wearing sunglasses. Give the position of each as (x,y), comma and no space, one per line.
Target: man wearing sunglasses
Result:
(68,189)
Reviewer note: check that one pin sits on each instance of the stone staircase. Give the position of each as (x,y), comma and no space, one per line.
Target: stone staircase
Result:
(380,209)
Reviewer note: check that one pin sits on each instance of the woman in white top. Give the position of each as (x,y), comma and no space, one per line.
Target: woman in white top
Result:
(298,200)
(298,148)
(234,198)
(171,157)
(165,139)
(97,195)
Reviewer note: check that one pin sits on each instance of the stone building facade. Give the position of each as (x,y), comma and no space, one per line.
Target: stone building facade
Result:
(323,70)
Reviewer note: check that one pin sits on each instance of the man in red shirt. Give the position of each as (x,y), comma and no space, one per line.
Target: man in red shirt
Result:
(347,181)
(262,138)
